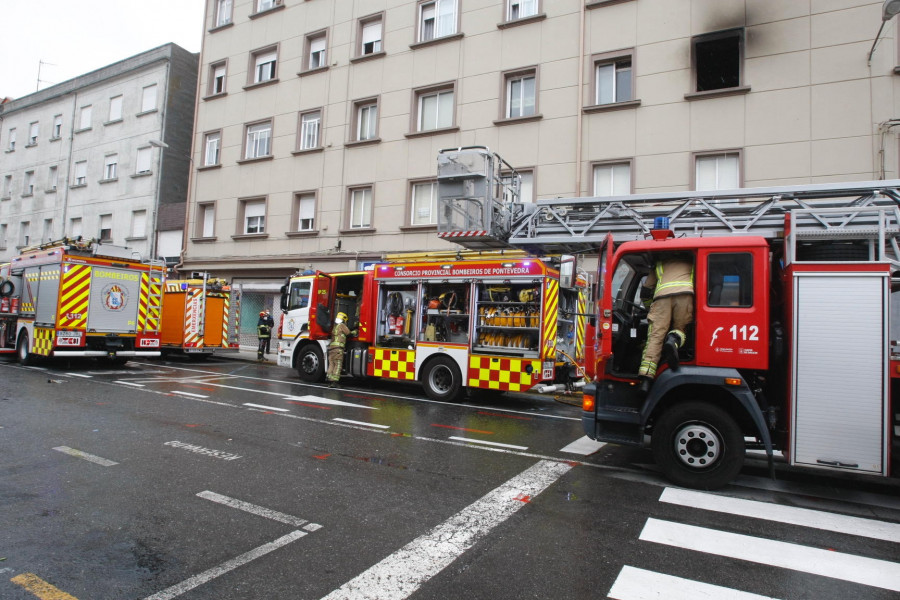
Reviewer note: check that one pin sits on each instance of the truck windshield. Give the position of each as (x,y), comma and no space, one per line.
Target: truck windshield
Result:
(625,287)
(299,297)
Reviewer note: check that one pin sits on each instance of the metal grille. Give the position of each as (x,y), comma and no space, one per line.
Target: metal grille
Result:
(252,303)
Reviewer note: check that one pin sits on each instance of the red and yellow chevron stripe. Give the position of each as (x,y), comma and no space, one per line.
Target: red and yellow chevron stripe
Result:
(551,314)
(150,306)
(74,297)
(580,323)
(192,339)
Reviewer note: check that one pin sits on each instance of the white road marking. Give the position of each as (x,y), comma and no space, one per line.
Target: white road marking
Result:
(255,510)
(584,446)
(90,457)
(264,407)
(805,517)
(837,565)
(189,394)
(321,400)
(638,584)
(129,383)
(80,375)
(363,423)
(403,572)
(205,451)
(198,580)
(498,444)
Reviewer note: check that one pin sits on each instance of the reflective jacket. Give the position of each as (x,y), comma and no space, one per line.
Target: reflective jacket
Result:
(339,335)
(671,277)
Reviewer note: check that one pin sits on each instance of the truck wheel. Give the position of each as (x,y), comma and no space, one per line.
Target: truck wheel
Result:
(698,445)
(26,358)
(442,380)
(311,364)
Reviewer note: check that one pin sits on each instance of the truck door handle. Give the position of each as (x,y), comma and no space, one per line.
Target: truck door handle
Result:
(837,463)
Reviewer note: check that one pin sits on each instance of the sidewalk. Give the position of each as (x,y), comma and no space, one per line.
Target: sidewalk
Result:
(246,353)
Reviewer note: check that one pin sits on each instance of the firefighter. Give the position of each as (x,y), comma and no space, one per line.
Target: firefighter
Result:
(336,348)
(669,293)
(264,333)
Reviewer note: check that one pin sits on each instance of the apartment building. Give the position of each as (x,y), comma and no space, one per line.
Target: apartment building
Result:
(319,121)
(104,155)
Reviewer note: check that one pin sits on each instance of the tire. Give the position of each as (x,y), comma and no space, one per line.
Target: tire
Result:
(311,364)
(7,288)
(698,445)
(442,380)
(24,355)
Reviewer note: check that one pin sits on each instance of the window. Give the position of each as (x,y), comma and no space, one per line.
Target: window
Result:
(435,109)
(254,216)
(217,74)
(33,129)
(262,5)
(7,186)
(3,236)
(263,65)
(148,99)
(84,122)
(75,229)
(612,179)
(730,279)
(361,208)
(424,203)
(305,209)
(110,166)
(316,44)
(207,220)
(718,171)
(57,127)
(299,296)
(223,12)
(52,178)
(11,144)
(48,230)
(613,81)
(310,124)
(115,108)
(212,147)
(437,18)
(718,60)
(366,126)
(28,188)
(259,140)
(80,173)
(142,163)
(24,233)
(370,34)
(106,228)
(139,223)
(519,9)
(526,185)
(521,94)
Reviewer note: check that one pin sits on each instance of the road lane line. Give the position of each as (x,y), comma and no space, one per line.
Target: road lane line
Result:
(79,375)
(89,457)
(320,400)
(463,429)
(208,575)
(364,424)
(403,572)
(791,515)
(498,444)
(129,383)
(638,584)
(253,509)
(40,588)
(837,565)
(264,407)
(584,446)
(189,394)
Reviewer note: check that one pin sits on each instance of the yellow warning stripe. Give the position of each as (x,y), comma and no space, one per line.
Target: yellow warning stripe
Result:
(580,322)
(41,588)
(74,297)
(551,310)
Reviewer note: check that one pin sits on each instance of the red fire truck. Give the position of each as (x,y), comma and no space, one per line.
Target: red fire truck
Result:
(505,324)
(793,347)
(80,298)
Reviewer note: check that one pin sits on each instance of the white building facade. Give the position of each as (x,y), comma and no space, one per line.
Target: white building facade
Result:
(96,156)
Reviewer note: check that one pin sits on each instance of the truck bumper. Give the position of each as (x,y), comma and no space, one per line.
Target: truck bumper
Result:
(100,353)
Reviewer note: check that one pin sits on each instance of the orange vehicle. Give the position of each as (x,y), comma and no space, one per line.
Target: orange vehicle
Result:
(200,317)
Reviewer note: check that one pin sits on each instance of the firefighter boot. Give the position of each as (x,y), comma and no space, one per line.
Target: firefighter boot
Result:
(644,386)
(670,351)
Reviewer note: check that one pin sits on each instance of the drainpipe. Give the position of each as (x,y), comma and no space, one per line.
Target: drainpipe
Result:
(579,115)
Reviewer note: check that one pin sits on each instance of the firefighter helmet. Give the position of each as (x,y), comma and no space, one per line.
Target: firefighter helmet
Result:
(262,313)
(341,317)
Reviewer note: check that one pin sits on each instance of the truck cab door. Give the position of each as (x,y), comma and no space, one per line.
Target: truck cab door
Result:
(321,314)
(604,305)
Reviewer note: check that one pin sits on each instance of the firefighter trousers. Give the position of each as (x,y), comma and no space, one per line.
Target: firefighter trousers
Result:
(335,361)
(669,313)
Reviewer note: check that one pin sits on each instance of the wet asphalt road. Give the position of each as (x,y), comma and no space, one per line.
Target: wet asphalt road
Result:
(232,480)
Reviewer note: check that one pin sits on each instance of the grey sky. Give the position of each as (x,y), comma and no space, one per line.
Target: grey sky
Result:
(78,36)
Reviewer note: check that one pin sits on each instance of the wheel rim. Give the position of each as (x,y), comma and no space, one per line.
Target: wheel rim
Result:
(697,445)
(309,363)
(441,379)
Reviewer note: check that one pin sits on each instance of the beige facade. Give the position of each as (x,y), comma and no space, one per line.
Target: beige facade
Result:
(319,121)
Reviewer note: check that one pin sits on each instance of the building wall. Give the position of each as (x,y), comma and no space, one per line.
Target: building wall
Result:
(170,69)
(808,109)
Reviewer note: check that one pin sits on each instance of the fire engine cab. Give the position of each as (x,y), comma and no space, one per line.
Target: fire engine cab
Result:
(792,348)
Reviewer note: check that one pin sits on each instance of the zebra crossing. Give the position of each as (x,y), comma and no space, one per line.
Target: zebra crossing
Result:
(633,583)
